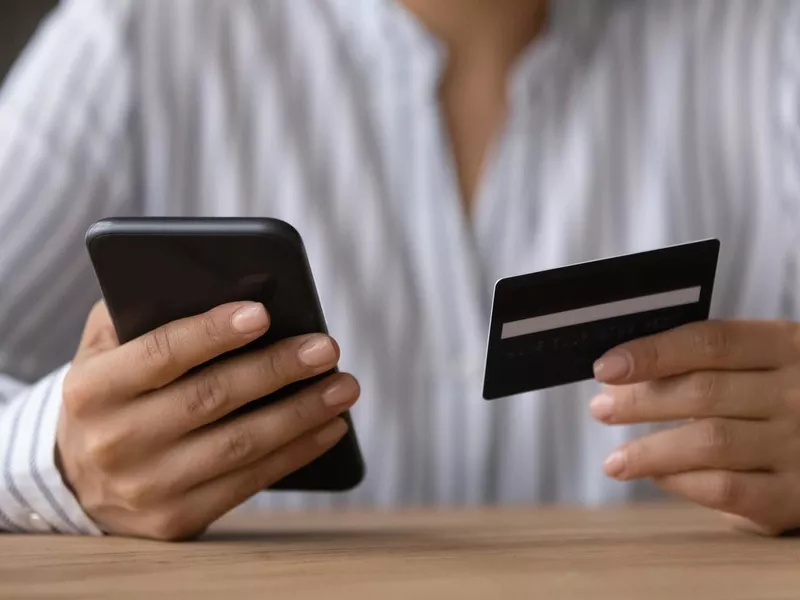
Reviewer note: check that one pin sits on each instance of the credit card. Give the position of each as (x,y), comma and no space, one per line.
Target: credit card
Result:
(548,328)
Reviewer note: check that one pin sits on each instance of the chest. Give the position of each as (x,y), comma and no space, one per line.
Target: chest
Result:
(611,154)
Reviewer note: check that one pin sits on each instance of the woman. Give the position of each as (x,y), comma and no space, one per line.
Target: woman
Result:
(423,149)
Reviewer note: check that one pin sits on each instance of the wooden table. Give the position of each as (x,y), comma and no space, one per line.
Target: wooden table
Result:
(643,553)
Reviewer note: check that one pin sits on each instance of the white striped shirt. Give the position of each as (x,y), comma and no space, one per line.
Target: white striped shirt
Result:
(633,125)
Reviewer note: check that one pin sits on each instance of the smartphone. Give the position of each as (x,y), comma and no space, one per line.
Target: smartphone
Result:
(156,270)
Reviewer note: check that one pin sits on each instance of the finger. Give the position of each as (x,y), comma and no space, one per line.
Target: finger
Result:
(733,394)
(98,334)
(708,345)
(705,444)
(195,510)
(218,390)
(767,500)
(748,526)
(214,451)
(163,355)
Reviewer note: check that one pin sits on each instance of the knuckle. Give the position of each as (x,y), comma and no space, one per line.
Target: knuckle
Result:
(103,450)
(156,349)
(135,494)
(716,438)
(278,466)
(704,387)
(207,394)
(271,364)
(275,368)
(638,457)
(654,356)
(212,329)
(726,491)
(711,342)
(648,353)
(169,526)
(239,445)
(304,410)
(74,395)
(255,480)
(629,402)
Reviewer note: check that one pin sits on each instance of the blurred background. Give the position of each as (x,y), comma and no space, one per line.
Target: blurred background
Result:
(18,20)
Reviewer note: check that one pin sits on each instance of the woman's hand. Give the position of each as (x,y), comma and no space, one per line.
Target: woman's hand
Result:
(736,384)
(143,437)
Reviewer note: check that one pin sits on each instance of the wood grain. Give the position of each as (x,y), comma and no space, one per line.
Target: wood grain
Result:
(637,552)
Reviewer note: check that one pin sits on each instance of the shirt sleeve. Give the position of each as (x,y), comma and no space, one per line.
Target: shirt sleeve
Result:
(66,160)
(788,131)
(33,497)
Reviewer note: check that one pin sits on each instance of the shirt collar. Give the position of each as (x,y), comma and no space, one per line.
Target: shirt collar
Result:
(571,37)
(383,35)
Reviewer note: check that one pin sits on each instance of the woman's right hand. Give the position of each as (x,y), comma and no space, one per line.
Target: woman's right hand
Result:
(140,439)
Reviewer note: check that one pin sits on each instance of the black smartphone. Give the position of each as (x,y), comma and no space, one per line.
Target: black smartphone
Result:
(156,270)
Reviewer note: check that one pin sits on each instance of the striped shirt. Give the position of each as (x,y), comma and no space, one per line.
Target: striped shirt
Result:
(632,125)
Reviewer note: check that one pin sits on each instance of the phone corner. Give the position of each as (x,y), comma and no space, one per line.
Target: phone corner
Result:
(97,230)
(357,478)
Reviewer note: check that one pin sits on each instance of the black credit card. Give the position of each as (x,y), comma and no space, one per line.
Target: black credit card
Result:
(549,328)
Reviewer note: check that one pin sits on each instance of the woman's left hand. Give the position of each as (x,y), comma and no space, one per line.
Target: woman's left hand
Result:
(737,386)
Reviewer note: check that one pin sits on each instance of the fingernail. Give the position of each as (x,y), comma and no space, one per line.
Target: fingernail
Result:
(342,391)
(252,317)
(615,464)
(332,433)
(602,407)
(613,366)
(318,351)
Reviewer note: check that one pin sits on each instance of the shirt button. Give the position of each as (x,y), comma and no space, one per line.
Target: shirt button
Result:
(37,523)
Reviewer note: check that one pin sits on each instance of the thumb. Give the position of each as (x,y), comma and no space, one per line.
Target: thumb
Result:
(98,334)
